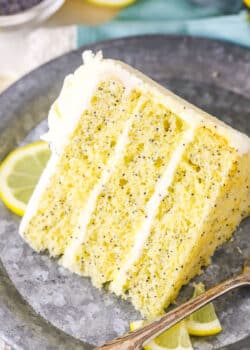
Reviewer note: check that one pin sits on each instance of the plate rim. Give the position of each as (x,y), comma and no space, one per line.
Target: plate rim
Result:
(103,43)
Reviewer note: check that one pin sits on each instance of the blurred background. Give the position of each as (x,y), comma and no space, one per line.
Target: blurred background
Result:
(35,31)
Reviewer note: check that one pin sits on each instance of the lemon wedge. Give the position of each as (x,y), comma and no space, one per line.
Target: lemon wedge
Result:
(19,174)
(203,322)
(111,3)
(175,338)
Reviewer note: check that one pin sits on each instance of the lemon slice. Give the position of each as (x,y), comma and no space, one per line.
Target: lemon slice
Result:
(19,173)
(112,3)
(204,321)
(247,3)
(175,338)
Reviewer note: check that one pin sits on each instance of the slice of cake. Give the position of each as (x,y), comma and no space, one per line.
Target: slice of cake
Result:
(141,186)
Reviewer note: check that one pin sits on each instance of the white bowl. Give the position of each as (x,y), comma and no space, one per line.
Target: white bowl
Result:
(31,16)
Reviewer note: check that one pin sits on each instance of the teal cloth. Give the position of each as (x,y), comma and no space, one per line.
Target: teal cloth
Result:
(219,19)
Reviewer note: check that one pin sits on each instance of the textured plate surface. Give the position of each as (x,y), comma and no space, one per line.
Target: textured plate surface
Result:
(43,306)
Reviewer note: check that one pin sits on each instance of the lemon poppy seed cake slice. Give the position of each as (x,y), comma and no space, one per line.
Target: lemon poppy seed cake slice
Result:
(141,186)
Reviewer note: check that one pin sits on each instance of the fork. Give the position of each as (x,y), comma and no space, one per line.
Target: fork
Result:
(135,340)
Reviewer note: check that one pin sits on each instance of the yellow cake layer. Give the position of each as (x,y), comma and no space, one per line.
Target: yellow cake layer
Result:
(141,187)
(79,168)
(120,209)
(193,219)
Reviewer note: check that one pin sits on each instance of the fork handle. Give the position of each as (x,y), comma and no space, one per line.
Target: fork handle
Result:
(135,340)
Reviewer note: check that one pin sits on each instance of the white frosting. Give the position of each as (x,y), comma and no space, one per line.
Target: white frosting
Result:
(32,206)
(69,255)
(161,191)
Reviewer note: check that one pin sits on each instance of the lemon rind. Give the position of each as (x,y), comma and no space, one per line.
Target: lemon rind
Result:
(153,346)
(203,329)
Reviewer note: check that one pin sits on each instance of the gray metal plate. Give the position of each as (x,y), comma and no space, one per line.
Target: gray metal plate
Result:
(43,306)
